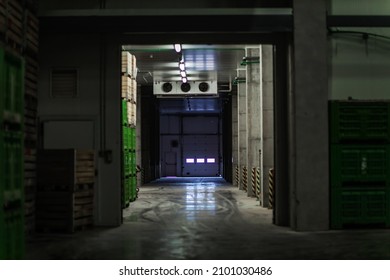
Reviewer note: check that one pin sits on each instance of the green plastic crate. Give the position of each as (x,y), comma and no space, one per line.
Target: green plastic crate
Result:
(125,138)
(2,85)
(11,87)
(126,193)
(359,163)
(12,242)
(132,133)
(124,112)
(11,169)
(127,163)
(2,168)
(360,206)
(359,121)
(129,138)
(133,164)
(128,187)
(133,188)
(133,139)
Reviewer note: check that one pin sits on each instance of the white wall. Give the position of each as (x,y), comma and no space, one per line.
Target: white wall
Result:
(360,68)
(360,7)
(83,53)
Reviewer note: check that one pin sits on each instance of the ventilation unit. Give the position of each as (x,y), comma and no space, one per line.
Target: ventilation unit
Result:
(192,88)
(165,88)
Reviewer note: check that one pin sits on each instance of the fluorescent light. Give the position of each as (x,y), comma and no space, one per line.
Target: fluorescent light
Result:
(177,48)
(183,74)
(200,160)
(184,80)
(182,66)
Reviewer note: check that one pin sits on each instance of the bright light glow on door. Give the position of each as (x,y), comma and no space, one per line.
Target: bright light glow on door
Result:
(200,160)
(210,160)
(190,160)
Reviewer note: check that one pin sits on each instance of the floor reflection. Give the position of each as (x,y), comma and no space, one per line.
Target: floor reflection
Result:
(200,197)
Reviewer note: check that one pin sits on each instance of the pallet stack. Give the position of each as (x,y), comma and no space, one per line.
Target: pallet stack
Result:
(65,195)
(360,164)
(11,152)
(19,29)
(31,41)
(18,49)
(129,96)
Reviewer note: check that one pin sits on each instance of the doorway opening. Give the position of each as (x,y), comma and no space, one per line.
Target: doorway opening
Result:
(195,132)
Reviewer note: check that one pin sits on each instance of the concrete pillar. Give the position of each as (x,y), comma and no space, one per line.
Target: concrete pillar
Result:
(138,137)
(108,196)
(235,165)
(281,205)
(309,176)
(241,105)
(267,87)
(253,116)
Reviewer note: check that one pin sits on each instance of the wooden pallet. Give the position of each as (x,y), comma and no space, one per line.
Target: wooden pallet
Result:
(65,168)
(64,211)
(32,31)
(2,16)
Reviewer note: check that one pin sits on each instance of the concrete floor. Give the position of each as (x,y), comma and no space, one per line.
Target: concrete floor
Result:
(205,218)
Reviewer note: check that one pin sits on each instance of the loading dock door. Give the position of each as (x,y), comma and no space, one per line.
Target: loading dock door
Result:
(200,155)
(201,146)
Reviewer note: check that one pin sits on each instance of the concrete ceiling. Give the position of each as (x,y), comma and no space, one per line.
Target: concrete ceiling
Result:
(159,63)
(216,63)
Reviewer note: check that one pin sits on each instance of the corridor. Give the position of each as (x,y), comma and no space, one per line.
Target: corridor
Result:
(204,218)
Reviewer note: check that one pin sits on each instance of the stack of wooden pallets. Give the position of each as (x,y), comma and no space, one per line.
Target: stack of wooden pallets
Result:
(65,195)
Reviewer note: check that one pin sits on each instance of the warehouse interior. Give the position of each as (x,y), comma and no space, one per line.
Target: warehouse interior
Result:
(192,130)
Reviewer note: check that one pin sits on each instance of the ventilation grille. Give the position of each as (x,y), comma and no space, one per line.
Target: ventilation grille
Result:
(64,83)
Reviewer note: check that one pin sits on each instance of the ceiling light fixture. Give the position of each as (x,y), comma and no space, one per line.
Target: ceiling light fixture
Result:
(182,66)
(177,47)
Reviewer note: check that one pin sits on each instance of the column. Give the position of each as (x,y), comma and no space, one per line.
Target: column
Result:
(253,116)
(242,150)
(267,87)
(309,118)
(235,169)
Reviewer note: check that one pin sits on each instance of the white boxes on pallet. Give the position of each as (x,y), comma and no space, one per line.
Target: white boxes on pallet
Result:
(134,67)
(129,88)
(127,62)
(126,87)
(134,91)
(134,120)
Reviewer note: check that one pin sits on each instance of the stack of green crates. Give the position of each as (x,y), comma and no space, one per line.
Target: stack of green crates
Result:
(129,159)
(133,164)
(12,155)
(360,163)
